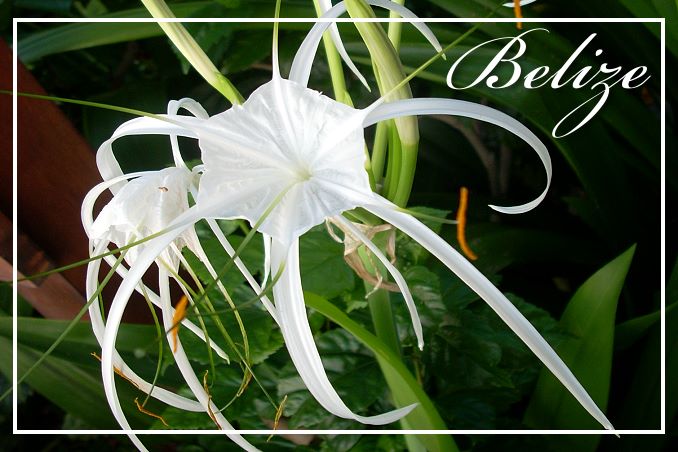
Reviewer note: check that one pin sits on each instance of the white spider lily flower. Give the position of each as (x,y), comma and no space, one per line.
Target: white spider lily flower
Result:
(286,160)
(142,207)
(290,158)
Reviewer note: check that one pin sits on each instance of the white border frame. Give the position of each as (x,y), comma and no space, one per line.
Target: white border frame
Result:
(662,430)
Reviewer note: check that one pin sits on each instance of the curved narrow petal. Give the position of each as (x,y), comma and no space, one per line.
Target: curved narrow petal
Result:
(492,296)
(397,276)
(436,106)
(267,258)
(328,11)
(107,163)
(173,108)
(98,327)
(303,60)
(181,359)
(298,337)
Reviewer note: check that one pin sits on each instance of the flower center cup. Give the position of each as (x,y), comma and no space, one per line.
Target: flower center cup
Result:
(284,139)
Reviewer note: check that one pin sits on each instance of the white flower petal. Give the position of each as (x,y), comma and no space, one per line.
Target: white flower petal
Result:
(142,207)
(87,210)
(494,298)
(434,106)
(173,108)
(303,60)
(329,11)
(299,338)
(267,258)
(397,276)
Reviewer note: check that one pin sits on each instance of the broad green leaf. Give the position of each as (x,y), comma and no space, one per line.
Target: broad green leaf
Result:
(41,333)
(323,269)
(404,388)
(589,320)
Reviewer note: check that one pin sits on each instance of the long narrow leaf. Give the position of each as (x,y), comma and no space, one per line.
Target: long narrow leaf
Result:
(589,321)
(405,389)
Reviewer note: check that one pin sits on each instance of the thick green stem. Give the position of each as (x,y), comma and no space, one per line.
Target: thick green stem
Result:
(390,74)
(382,318)
(383,321)
(395,28)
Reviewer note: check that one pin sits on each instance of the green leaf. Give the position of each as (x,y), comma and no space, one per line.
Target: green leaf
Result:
(323,269)
(75,388)
(629,332)
(76,36)
(589,320)
(642,406)
(404,388)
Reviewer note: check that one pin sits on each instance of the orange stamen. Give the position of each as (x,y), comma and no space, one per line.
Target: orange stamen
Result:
(179,314)
(141,408)
(461,224)
(518,13)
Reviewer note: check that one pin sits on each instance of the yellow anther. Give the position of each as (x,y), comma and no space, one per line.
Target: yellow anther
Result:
(141,408)
(461,224)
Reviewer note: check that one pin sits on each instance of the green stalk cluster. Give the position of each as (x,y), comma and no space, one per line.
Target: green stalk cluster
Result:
(401,134)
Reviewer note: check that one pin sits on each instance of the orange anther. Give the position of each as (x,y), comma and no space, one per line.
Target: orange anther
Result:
(518,13)
(461,224)
(179,314)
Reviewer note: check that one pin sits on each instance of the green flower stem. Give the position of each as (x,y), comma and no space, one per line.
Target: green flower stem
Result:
(395,28)
(383,321)
(382,318)
(390,74)
(379,154)
(334,63)
(192,51)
